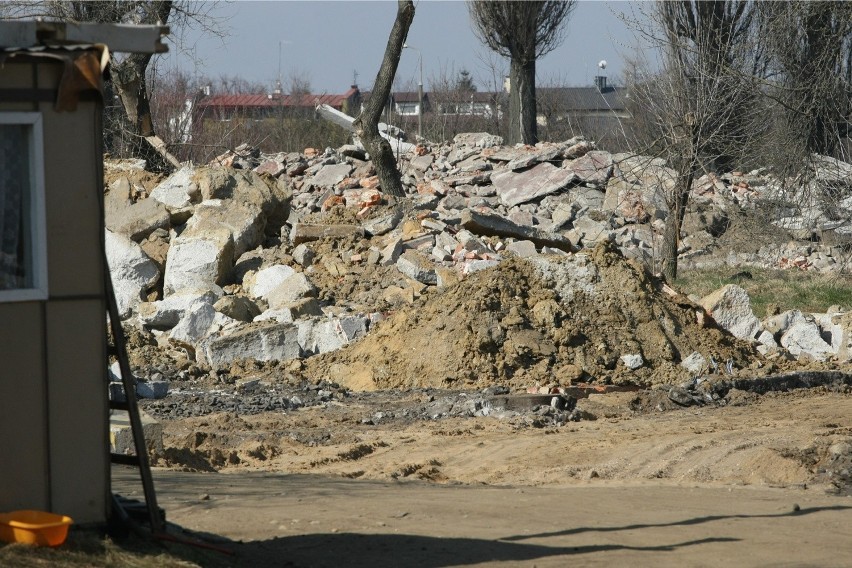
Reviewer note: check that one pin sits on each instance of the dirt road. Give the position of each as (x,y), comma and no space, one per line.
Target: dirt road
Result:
(762,481)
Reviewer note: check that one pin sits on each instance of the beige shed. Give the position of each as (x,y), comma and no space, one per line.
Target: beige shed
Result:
(54,416)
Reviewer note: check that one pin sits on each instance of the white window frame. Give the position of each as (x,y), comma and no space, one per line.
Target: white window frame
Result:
(35,201)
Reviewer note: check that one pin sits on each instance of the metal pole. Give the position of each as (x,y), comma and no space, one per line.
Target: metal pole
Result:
(420,103)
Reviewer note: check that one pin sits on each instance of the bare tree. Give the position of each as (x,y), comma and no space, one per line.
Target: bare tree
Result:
(701,103)
(128,72)
(810,45)
(367,123)
(521,31)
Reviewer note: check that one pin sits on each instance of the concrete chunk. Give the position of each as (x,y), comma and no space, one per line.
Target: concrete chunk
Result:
(490,224)
(267,279)
(417,267)
(730,306)
(307,232)
(138,220)
(132,272)
(331,175)
(543,179)
(262,342)
(804,338)
(292,289)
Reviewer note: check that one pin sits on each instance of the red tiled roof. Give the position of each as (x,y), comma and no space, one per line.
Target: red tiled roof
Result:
(272,101)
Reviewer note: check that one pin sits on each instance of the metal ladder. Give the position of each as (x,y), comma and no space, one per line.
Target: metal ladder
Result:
(156,515)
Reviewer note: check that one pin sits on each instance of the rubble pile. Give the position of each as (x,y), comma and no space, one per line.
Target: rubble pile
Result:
(522,265)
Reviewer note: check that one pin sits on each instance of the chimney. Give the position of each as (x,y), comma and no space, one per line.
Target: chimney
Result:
(600,82)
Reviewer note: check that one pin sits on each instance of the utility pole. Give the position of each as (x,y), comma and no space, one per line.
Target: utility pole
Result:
(419,92)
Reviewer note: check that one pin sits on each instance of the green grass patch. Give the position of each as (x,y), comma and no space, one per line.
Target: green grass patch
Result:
(786,289)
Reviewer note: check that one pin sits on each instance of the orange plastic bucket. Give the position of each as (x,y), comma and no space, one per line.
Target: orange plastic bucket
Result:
(34,527)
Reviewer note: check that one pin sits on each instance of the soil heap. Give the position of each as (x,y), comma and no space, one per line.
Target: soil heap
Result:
(548,320)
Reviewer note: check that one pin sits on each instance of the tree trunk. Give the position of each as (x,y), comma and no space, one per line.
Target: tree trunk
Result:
(367,123)
(522,109)
(674,221)
(131,86)
(128,78)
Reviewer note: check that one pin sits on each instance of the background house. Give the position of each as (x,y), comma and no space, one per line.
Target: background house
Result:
(268,105)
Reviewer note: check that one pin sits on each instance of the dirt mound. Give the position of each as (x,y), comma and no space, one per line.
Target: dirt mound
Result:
(545,321)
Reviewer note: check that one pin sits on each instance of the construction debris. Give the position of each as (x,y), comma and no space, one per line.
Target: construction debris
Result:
(281,257)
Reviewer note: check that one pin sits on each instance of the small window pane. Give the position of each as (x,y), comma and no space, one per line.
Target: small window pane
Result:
(23,247)
(15,188)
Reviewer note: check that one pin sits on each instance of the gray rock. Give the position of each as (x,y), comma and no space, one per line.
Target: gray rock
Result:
(304,255)
(178,193)
(166,313)
(632,360)
(264,281)
(477,265)
(477,140)
(194,325)
(262,342)
(132,272)
(730,306)
(244,220)
(543,179)
(523,249)
(594,168)
(238,308)
(138,220)
(391,252)
(384,224)
(307,232)
(417,267)
(490,224)
(591,231)
(199,262)
(292,289)
(695,363)
(331,175)
(804,338)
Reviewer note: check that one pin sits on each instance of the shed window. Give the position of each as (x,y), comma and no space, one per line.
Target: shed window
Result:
(23,257)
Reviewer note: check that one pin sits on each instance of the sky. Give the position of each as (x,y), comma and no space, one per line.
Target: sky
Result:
(335,44)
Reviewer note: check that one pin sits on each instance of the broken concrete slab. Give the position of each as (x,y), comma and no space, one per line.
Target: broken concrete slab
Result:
(291,289)
(730,306)
(199,262)
(527,160)
(477,140)
(238,308)
(594,168)
(491,224)
(194,325)
(383,224)
(318,336)
(132,272)
(307,232)
(417,267)
(121,439)
(165,314)
(591,232)
(523,249)
(804,338)
(262,342)
(178,193)
(476,265)
(138,220)
(265,280)
(515,188)
(245,221)
(331,175)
